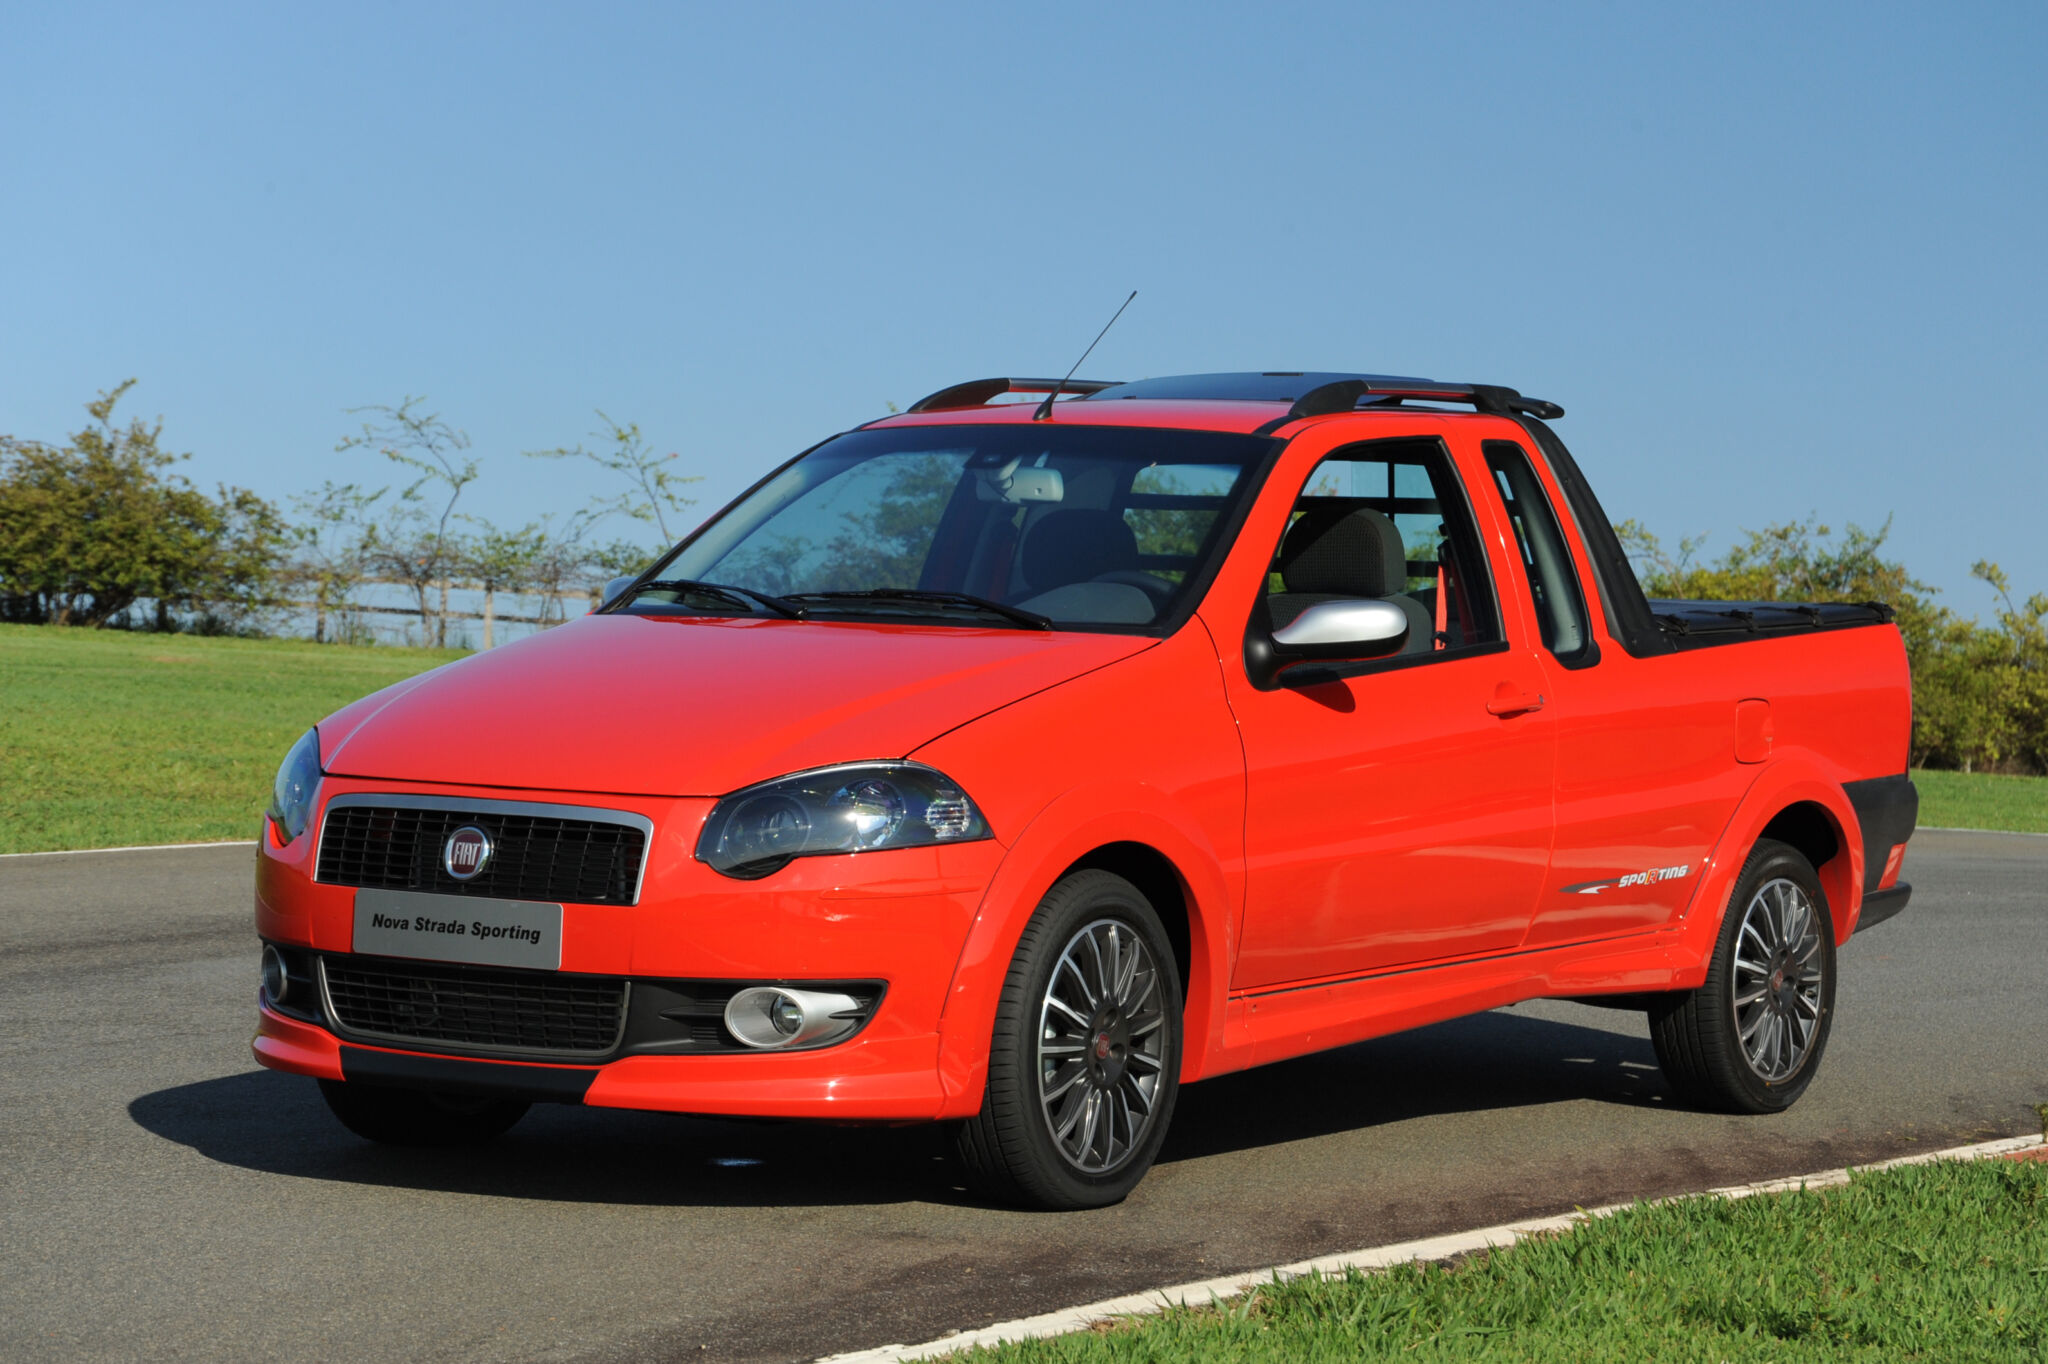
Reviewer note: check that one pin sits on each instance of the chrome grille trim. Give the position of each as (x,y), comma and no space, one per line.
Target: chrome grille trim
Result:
(593,814)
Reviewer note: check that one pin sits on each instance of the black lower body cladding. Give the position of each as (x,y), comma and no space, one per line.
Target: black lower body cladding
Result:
(1880,905)
(453,1075)
(1888,809)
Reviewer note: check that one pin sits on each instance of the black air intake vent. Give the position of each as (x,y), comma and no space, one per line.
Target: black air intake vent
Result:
(533,857)
(472,1007)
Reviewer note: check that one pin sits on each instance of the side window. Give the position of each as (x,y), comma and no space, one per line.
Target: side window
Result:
(1553,581)
(1388,519)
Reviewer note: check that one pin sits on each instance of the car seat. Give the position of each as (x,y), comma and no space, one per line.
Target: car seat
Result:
(1076,545)
(1081,563)
(1346,554)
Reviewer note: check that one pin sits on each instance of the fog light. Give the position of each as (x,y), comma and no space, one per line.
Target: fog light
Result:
(771,1018)
(787,1015)
(275,979)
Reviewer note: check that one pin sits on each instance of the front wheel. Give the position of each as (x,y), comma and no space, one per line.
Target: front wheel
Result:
(1085,1062)
(418,1117)
(1750,1038)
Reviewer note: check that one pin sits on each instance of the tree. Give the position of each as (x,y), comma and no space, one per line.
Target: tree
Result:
(334,544)
(653,492)
(418,547)
(562,561)
(90,529)
(2017,653)
(504,561)
(617,558)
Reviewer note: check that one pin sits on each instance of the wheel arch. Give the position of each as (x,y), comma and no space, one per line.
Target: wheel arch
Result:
(1797,801)
(1156,877)
(1807,826)
(1139,835)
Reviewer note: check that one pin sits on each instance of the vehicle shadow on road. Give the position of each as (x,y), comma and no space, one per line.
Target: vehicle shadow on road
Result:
(278,1124)
(262,1120)
(1489,1061)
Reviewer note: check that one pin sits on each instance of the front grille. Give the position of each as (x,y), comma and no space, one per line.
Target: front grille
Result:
(533,857)
(467,1006)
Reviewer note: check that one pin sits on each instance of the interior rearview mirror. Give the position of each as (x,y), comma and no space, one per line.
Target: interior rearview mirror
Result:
(1014,484)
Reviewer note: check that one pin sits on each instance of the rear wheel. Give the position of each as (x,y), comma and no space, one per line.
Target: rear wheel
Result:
(1750,1039)
(1085,1062)
(418,1117)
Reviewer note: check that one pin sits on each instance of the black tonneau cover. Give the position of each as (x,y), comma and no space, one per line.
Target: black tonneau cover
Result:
(1698,624)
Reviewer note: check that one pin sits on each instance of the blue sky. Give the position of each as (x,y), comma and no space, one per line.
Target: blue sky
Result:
(1772,259)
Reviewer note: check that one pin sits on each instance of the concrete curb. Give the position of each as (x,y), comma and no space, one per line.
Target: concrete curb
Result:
(1382,1257)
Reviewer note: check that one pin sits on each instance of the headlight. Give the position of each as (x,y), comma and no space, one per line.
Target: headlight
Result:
(298,781)
(858,808)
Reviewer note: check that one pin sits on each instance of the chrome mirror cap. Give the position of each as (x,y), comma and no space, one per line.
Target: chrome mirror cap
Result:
(1344,622)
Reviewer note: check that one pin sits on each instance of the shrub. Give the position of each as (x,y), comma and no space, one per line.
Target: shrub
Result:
(91,528)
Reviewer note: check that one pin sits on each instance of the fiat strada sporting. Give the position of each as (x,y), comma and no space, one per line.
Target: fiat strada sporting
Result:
(1010,764)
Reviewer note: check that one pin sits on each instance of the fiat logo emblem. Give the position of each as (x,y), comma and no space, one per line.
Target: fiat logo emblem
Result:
(466,853)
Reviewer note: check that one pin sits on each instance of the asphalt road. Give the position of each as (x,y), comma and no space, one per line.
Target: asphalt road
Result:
(163,1197)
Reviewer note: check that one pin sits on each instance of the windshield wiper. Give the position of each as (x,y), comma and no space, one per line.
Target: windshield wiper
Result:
(1031,620)
(743,597)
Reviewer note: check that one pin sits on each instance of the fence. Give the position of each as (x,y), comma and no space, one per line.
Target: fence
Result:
(553,609)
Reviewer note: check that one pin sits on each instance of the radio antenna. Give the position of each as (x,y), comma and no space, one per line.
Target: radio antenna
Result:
(1044,412)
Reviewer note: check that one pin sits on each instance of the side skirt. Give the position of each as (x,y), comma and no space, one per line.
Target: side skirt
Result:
(1274,1025)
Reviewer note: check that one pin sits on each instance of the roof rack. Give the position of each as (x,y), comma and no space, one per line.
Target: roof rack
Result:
(1342,395)
(975,392)
(1315,394)
(1310,393)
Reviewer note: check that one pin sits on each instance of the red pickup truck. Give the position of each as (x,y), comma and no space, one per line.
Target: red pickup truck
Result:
(1008,764)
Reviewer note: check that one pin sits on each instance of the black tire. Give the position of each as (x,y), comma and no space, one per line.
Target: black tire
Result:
(1011,1149)
(1699,1034)
(419,1117)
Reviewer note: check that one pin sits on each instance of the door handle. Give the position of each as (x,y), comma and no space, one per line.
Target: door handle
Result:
(1509,699)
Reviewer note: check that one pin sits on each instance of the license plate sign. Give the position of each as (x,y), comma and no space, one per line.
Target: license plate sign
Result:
(404,923)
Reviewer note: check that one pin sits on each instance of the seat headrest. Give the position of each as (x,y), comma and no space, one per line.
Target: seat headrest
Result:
(1333,552)
(1076,544)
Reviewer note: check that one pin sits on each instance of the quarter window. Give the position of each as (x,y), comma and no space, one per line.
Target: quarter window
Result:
(1546,560)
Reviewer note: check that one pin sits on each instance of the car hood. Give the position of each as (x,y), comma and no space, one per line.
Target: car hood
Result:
(670,706)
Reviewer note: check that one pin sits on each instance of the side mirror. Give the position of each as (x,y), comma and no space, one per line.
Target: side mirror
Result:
(1331,631)
(616,586)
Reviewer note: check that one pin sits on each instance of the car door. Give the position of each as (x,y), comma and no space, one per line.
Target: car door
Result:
(1647,773)
(1397,810)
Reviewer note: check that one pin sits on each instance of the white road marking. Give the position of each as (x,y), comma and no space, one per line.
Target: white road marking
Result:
(140,847)
(1382,1257)
(1951,829)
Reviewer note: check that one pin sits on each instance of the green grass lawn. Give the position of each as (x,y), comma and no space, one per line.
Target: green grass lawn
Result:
(1933,1262)
(109,738)
(1974,800)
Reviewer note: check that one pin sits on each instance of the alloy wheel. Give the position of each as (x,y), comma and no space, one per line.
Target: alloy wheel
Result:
(1777,980)
(1101,1046)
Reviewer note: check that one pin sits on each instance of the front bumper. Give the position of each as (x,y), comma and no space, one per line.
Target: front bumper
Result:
(888,1079)
(895,920)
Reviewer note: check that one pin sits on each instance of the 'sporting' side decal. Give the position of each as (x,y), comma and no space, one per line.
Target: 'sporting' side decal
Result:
(1634,878)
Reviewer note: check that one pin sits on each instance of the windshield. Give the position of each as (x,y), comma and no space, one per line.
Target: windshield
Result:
(1080,527)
